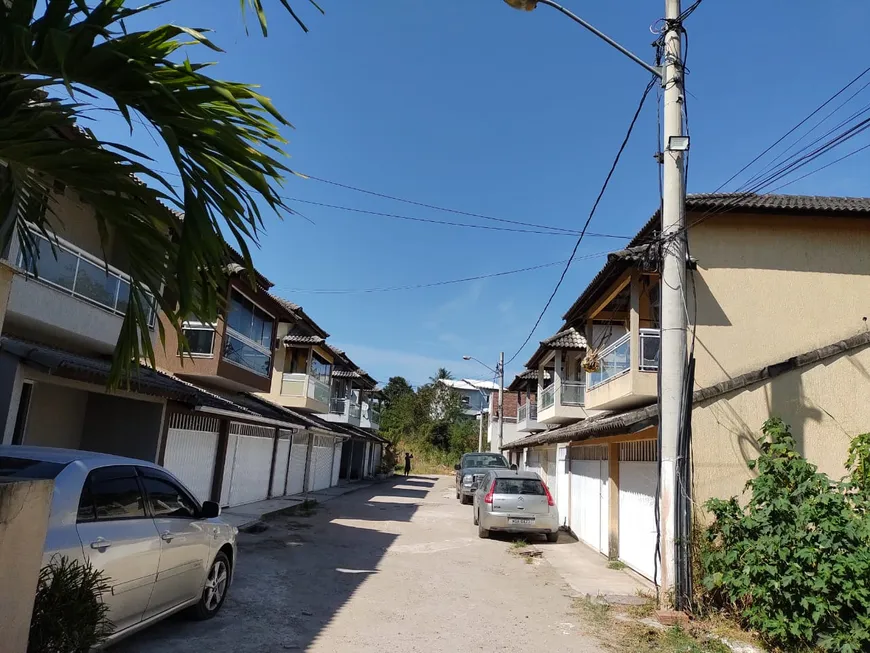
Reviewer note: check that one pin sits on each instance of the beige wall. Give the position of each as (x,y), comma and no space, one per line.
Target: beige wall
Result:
(769,288)
(825,405)
(57,415)
(24,510)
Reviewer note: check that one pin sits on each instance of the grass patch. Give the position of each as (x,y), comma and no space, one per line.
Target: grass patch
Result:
(597,613)
(519,543)
(616,565)
(307,508)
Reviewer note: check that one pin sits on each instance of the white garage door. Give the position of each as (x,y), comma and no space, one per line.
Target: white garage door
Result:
(298,460)
(637,489)
(248,463)
(191,448)
(336,462)
(321,463)
(282,463)
(590,498)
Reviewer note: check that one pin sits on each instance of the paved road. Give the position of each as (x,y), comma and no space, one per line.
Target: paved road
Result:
(393,567)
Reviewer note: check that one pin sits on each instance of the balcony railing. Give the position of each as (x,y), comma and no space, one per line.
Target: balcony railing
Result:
(303,385)
(74,271)
(548,397)
(526,412)
(338,405)
(615,360)
(573,393)
(318,390)
(375,417)
(354,410)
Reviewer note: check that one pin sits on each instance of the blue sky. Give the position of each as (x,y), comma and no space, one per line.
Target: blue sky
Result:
(471,105)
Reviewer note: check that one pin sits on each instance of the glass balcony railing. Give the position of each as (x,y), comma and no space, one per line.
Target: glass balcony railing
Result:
(338,405)
(318,390)
(573,393)
(375,417)
(548,397)
(354,411)
(615,360)
(527,412)
(77,273)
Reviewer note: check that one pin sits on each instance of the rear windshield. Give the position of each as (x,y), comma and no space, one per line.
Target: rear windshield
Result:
(485,460)
(519,486)
(27,468)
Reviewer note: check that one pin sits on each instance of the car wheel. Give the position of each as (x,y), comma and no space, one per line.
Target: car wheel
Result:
(457,494)
(552,537)
(476,520)
(465,500)
(482,533)
(215,591)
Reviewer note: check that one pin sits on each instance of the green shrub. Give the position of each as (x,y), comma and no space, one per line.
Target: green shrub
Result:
(794,564)
(69,615)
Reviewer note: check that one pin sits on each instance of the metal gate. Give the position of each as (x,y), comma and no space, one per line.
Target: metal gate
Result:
(247,465)
(191,449)
(281,465)
(638,470)
(590,496)
(298,461)
(321,463)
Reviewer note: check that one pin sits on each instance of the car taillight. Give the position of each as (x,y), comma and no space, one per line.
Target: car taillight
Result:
(488,497)
(550,501)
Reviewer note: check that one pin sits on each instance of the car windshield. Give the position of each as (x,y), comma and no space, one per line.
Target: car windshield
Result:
(485,460)
(28,468)
(519,486)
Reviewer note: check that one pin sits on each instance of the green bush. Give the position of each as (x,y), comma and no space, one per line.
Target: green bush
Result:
(794,564)
(69,615)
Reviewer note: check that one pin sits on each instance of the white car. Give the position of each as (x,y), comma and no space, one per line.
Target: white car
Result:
(159,548)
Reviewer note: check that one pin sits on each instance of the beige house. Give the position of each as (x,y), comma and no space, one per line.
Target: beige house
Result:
(778,329)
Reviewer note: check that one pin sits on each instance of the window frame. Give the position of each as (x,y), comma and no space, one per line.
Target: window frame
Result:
(159,475)
(230,332)
(195,325)
(87,485)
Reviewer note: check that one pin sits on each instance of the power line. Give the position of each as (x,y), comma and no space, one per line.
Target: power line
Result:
(348,291)
(446,222)
(634,118)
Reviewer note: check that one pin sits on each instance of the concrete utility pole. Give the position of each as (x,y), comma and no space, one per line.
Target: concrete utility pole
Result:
(674,319)
(500,401)
(480,435)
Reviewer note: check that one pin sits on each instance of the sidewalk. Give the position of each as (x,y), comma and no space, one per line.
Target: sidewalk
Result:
(587,573)
(249,513)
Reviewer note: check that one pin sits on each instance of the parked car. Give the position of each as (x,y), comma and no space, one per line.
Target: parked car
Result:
(515,502)
(471,468)
(160,549)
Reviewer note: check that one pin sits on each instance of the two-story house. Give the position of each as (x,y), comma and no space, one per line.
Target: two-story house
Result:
(777,327)
(473,394)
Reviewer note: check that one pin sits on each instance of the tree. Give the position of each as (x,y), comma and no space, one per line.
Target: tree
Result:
(58,58)
(397,387)
(442,374)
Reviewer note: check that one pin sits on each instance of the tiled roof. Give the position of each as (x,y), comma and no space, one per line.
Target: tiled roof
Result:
(525,379)
(299,339)
(568,338)
(299,314)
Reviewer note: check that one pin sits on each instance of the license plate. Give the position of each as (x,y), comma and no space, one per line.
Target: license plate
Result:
(521,521)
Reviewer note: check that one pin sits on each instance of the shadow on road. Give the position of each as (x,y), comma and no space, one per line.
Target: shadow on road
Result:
(291,580)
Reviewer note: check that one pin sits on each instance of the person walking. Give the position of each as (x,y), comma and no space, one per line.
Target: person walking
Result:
(408,456)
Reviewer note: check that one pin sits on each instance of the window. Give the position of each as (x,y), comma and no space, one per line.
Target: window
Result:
(165,498)
(248,341)
(27,468)
(321,369)
(526,486)
(484,460)
(200,337)
(111,493)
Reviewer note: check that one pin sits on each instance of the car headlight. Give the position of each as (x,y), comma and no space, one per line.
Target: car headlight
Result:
(468,479)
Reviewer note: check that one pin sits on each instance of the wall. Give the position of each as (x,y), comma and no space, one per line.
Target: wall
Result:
(510,434)
(825,405)
(121,426)
(167,358)
(769,288)
(57,415)
(24,511)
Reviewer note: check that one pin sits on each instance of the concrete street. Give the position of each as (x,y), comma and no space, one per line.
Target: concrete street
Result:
(396,566)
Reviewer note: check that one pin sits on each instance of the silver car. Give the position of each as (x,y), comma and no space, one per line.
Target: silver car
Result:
(158,547)
(515,502)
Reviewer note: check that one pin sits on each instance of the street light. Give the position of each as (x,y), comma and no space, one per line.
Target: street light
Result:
(499,369)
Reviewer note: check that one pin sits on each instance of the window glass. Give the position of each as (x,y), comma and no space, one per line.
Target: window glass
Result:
(116,493)
(28,468)
(244,355)
(249,321)
(484,460)
(519,486)
(200,339)
(86,505)
(167,499)
(320,368)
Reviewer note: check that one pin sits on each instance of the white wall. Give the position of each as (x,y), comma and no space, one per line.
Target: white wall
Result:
(510,434)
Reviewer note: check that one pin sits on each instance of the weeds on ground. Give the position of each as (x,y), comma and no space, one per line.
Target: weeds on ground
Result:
(519,543)
(617,565)
(597,613)
(307,508)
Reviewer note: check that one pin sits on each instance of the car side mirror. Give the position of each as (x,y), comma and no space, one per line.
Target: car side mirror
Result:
(457,467)
(210,509)
(514,467)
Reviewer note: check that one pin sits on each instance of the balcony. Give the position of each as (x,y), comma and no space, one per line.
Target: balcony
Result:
(370,418)
(527,418)
(619,383)
(68,295)
(344,410)
(304,392)
(569,408)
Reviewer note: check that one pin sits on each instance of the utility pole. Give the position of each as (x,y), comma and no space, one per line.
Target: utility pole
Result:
(500,401)
(674,320)
(480,434)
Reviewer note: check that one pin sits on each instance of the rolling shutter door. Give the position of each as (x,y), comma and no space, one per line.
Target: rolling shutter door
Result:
(590,503)
(191,449)
(298,460)
(247,466)
(282,463)
(336,462)
(637,490)
(321,463)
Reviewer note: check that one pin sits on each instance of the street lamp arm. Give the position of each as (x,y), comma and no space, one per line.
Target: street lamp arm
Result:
(472,358)
(655,70)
